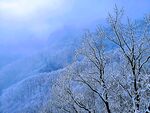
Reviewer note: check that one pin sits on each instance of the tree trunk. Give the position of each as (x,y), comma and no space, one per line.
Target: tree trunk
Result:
(107,107)
(137,96)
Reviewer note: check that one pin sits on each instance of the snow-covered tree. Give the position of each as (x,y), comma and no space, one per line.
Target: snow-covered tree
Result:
(102,80)
(133,39)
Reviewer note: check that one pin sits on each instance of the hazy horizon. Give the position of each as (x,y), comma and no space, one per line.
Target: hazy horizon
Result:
(27,25)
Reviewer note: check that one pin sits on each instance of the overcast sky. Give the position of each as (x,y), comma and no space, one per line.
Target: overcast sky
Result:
(25,25)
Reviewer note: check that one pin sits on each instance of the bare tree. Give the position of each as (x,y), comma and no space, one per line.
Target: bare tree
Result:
(66,99)
(123,88)
(133,39)
(93,51)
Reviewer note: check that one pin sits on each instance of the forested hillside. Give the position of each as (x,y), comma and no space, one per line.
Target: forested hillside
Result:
(106,70)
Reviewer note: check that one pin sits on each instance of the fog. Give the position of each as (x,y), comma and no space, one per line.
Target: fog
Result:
(26,26)
(49,63)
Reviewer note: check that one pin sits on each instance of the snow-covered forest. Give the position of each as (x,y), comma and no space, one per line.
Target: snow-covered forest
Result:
(104,69)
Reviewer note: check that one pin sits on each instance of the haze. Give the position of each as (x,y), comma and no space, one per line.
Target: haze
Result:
(27,25)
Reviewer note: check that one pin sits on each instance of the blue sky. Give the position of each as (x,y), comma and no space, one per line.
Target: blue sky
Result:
(25,25)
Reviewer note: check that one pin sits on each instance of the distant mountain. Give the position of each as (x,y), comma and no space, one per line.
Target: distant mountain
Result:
(30,95)
(58,53)
(32,92)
